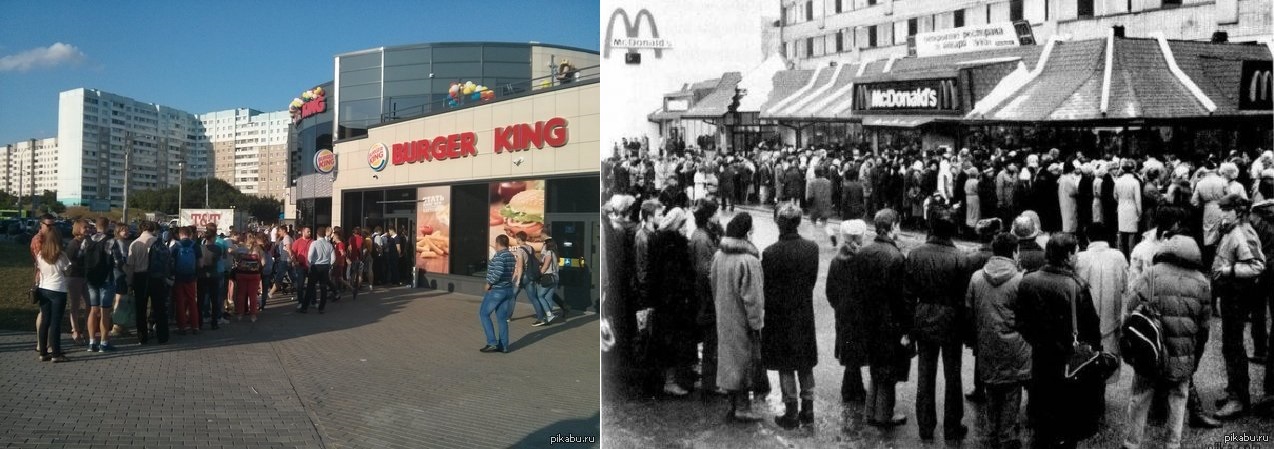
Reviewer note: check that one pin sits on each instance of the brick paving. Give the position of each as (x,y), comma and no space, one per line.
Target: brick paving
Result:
(397,369)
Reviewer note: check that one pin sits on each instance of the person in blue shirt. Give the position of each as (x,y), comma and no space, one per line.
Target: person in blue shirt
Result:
(499,296)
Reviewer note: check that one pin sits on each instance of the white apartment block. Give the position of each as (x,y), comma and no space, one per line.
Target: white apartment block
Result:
(249,149)
(17,176)
(817,32)
(97,130)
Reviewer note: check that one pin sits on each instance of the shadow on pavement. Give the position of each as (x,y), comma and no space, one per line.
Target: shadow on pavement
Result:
(545,332)
(568,433)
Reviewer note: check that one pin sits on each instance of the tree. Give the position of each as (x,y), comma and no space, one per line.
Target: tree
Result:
(221,194)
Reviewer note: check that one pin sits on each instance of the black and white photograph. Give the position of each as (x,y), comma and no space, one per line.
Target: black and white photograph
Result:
(878,224)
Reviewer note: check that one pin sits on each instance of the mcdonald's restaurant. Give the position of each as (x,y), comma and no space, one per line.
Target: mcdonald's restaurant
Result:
(451,182)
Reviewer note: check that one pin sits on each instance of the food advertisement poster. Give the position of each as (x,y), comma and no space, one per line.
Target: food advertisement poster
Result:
(517,206)
(433,229)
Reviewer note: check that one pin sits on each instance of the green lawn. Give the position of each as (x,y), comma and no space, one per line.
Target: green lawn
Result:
(16,310)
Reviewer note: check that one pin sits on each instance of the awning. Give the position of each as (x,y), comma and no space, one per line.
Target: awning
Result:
(897,121)
(660,115)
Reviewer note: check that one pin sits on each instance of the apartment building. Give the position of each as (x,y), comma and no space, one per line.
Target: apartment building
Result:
(249,149)
(818,32)
(29,164)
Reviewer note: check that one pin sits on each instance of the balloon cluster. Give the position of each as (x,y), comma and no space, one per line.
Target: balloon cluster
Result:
(306,96)
(468,91)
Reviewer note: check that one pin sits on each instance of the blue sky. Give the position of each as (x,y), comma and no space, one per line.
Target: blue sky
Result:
(216,55)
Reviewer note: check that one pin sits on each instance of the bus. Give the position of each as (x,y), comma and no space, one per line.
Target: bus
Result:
(13,213)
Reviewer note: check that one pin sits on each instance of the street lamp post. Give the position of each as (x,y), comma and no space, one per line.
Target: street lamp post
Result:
(181,178)
(205,191)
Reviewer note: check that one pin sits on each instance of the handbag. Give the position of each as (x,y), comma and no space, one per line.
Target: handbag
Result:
(548,280)
(1086,363)
(35,294)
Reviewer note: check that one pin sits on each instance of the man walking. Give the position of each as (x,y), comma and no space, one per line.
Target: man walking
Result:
(499,296)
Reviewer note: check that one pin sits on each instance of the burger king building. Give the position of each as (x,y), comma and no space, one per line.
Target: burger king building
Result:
(452,181)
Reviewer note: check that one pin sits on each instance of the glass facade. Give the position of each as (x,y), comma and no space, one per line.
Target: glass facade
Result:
(311,190)
(408,81)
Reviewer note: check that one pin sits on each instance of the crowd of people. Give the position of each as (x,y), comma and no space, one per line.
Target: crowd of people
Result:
(1070,247)
(196,279)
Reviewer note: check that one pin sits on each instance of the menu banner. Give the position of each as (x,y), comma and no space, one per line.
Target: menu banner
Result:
(433,229)
(517,206)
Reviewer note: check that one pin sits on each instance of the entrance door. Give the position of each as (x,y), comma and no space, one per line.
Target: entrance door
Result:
(406,226)
(578,240)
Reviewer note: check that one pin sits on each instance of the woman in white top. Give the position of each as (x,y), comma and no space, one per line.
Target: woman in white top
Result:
(548,280)
(53,264)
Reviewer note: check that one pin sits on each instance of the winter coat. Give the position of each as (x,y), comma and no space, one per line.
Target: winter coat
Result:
(820,198)
(702,250)
(1098,209)
(619,287)
(877,275)
(1176,289)
(1030,256)
(851,324)
(1239,255)
(1068,202)
(972,202)
(1084,201)
(979,258)
(1207,193)
(791,270)
(937,275)
(670,284)
(1003,356)
(1143,255)
(1004,187)
(738,294)
(1044,201)
(852,198)
(1109,207)
(793,183)
(1106,272)
(1128,195)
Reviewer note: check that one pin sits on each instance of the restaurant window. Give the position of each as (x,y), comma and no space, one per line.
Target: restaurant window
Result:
(809,47)
(1085,9)
(809,10)
(959,18)
(912,25)
(469,211)
(1015,10)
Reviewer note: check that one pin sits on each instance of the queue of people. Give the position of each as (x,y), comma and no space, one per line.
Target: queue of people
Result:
(186,278)
(1158,238)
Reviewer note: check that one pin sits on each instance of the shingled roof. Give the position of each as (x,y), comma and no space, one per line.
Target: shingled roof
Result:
(717,103)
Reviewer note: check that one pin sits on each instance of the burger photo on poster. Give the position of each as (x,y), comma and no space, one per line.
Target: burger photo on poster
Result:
(525,213)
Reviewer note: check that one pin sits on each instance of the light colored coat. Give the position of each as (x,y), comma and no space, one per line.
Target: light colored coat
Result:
(1128,197)
(1067,199)
(1207,193)
(738,289)
(1097,215)
(1106,272)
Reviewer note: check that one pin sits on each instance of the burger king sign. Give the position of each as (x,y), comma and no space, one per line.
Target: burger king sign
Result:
(378,157)
(325,161)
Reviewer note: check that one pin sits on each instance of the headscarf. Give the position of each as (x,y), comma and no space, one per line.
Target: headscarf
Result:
(673,220)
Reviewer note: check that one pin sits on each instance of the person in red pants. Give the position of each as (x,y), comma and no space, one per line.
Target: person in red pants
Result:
(186,257)
(247,275)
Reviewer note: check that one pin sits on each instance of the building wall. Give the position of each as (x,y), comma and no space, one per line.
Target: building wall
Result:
(1244,20)
(16,172)
(578,105)
(244,143)
(97,129)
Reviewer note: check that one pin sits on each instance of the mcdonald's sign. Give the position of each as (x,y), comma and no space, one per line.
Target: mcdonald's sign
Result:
(632,39)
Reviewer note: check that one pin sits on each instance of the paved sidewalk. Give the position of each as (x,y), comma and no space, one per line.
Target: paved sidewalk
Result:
(397,369)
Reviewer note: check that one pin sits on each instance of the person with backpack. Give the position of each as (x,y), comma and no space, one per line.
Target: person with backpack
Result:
(247,272)
(211,277)
(1176,292)
(282,259)
(186,258)
(148,266)
(527,271)
(96,251)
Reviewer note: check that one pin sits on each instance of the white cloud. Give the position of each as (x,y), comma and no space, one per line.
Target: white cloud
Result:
(52,56)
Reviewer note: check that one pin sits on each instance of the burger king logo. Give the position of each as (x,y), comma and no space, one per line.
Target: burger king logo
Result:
(325,161)
(378,157)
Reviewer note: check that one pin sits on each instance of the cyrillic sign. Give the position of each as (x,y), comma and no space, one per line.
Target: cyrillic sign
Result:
(973,38)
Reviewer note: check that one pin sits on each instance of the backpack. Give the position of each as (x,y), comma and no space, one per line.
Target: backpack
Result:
(247,263)
(185,258)
(1141,342)
(209,258)
(267,263)
(530,264)
(97,262)
(161,260)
